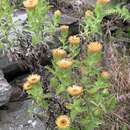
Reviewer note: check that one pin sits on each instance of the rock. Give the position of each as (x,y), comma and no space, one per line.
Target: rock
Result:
(68,20)
(10,69)
(17,117)
(17,94)
(5,90)
(40,113)
(17,89)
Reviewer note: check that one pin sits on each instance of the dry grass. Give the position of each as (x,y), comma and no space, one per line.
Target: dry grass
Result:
(119,67)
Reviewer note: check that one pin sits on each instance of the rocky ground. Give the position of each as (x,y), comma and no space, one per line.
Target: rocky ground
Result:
(15,116)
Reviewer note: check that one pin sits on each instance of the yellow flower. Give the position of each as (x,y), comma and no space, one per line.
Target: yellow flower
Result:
(103,1)
(75,90)
(27,86)
(65,63)
(57,13)
(105,74)
(94,47)
(30,4)
(58,53)
(63,122)
(88,13)
(74,40)
(64,28)
(33,79)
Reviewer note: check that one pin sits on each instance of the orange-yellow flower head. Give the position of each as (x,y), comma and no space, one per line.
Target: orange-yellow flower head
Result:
(30,4)
(75,90)
(88,13)
(103,1)
(74,40)
(65,63)
(33,79)
(58,53)
(95,47)
(57,13)
(64,28)
(63,122)
(105,74)
(27,86)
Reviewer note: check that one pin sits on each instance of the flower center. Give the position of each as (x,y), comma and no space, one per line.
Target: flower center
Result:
(30,1)
(63,122)
(75,90)
(33,79)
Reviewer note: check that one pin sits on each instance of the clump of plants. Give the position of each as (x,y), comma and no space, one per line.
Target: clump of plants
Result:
(78,96)
(81,85)
(39,10)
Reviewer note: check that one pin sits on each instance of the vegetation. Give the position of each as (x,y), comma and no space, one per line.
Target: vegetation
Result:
(6,24)
(79,95)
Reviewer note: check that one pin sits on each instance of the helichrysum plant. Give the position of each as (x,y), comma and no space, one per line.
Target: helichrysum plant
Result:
(37,15)
(78,84)
(87,97)
(37,11)
(33,87)
(55,22)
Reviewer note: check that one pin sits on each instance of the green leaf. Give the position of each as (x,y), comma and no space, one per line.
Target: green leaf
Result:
(54,82)
(61,88)
(124,127)
(111,103)
(76,109)
(94,103)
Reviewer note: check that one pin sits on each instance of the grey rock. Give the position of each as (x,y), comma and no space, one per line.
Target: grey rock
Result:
(6,65)
(40,113)
(17,117)
(5,90)
(68,20)
(10,69)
